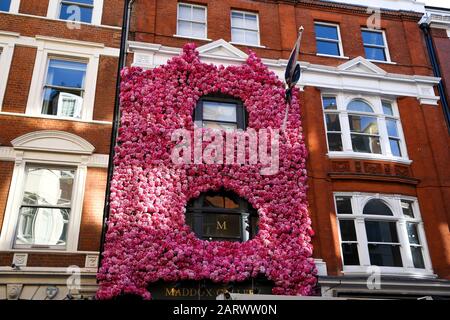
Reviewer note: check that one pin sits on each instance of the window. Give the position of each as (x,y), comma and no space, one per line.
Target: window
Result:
(46,207)
(5,5)
(220,112)
(381,230)
(191,21)
(328,39)
(375,45)
(368,127)
(222,216)
(78,10)
(244,28)
(64,88)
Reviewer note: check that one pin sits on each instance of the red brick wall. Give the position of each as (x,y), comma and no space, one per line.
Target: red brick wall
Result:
(106,89)
(442,46)
(19,80)
(6,170)
(113,12)
(37,8)
(91,221)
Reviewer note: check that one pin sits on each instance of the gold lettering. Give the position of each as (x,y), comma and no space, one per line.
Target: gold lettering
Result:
(221,226)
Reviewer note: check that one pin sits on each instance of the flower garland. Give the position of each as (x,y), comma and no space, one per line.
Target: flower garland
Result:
(147,238)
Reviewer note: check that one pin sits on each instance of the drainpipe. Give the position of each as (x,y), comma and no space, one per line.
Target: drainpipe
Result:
(437,72)
(116,121)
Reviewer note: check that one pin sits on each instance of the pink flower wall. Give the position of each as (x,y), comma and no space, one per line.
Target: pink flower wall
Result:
(147,238)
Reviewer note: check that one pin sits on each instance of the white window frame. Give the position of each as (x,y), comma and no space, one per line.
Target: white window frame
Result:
(339,41)
(205,22)
(358,201)
(258,29)
(342,101)
(36,95)
(6,56)
(54,8)
(53,149)
(385,47)
(14,7)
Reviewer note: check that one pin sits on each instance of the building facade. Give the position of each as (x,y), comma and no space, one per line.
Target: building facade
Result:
(372,122)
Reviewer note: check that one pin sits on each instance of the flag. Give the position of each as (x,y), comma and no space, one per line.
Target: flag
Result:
(292,74)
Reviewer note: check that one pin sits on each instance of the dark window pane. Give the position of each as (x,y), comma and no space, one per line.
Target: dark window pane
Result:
(76,13)
(375,53)
(373,38)
(363,124)
(417,256)
(385,255)
(395,147)
(366,144)
(407,208)
(222,225)
(327,32)
(381,231)
(359,106)
(329,103)
(5,5)
(64,73)
(348,232)
(377,207)
(413,236)
(326,47)
(334,142)
(333,123)
(344,205)
(350,254)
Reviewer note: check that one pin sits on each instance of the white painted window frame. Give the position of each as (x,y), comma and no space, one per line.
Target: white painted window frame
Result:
(257,30)
(6,56)
(386,46)
(54,8)
(36,95)
(14,7)
(342,101)
(339,40)
(205,22)
(358,201)
(36,150)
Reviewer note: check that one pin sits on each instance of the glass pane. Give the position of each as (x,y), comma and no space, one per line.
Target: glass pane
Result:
(48,186)
(385,255)
(254,225)
(218,201)
(359,106)
(184,28)
(366,144)
(219,125)
(395,147)
(326,47)
(329,103)
(381,231)
(64,103)
(348,232)
(238,35)
(198,30)
(237,20)
(413,236)
(76,13)
(387,108)
(327,32)
(350,254)
(373,37)
(219,111)
(42,226)
(199,14)
(5,5)
(417,256)
(407,208)
(375,53)
(184,12)
(333,123)
(65,73)
(88,2)
(344,205)
(251,37)
(392,128)
(251,21)
(363,124)
(334,142)
(377,207)
(222,225)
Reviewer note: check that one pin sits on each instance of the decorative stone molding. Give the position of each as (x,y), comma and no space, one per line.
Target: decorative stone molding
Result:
(13,291)
(91,261)
(20,259)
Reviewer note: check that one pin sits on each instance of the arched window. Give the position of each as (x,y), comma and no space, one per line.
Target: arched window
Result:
(222,216)
(220,112)
(377,207)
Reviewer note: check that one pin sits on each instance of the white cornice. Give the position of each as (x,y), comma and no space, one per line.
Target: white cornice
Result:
(396,5)
(437,18)
(356,75)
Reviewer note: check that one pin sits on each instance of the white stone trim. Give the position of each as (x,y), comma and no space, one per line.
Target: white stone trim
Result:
(6,56)
(436,18)
(20,259)
(396,5)
(357,75)
(54,7)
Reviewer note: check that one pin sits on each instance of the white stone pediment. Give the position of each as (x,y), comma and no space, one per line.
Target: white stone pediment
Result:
(221,49)
(361,65)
